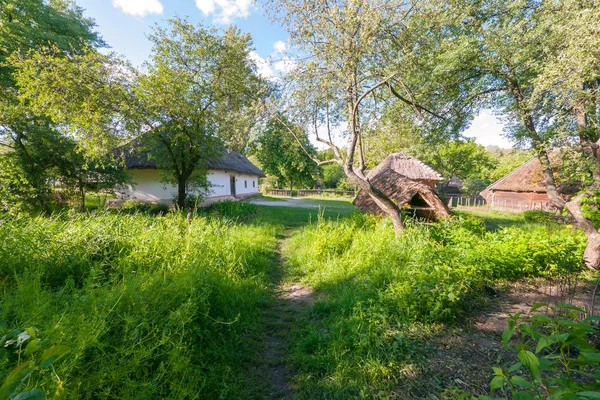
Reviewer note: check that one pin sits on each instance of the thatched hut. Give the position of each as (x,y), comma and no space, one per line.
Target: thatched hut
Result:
(409,182)
(524,189)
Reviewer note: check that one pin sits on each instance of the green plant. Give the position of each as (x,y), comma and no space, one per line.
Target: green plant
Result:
(557,353)
(33,357)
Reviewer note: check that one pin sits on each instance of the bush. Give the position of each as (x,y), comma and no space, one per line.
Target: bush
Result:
(135,206)
(230,209)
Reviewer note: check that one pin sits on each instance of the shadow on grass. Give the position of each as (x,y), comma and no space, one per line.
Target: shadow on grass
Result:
(495,220)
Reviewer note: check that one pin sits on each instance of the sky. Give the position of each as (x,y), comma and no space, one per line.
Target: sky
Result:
(124,23)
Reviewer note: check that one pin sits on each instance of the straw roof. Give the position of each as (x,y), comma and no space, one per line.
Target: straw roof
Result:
(403,189)
(227,161)
(527,178)
(407,166)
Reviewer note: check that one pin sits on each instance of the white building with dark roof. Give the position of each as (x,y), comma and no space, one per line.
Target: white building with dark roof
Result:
(230,176)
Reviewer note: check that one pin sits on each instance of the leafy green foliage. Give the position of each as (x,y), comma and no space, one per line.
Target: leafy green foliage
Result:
(377,291)
(558,357)
(150,307)
(33,356)
(282,157)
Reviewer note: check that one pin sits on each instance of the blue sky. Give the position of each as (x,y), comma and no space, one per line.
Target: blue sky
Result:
(124,24)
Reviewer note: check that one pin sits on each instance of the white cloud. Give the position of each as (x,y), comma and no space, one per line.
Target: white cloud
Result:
(263,67)
(280,46)
(487,130)
(225,10)
(285,65)
(139,8)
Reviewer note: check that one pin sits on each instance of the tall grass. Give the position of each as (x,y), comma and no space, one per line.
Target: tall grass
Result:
(151,307)
(379,294)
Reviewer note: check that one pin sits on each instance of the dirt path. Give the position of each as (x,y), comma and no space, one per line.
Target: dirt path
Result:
(289,302)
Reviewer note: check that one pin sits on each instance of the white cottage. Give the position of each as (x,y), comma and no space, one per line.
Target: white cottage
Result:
(231,176)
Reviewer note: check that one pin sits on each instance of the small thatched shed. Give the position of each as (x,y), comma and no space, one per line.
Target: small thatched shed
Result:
(524,188)
(407,181)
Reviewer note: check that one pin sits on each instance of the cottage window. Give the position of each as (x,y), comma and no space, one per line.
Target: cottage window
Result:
(253,183)
(245,184)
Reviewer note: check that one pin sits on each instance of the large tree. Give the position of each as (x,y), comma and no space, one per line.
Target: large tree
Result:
(197,97)
(541,61)
(358,57)
(37,148)
(281,156)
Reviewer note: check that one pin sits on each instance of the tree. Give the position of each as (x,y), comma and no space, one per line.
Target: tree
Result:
(463,159)
(196,97)
(35,148)
(356,58)
(281,156)
(539,62)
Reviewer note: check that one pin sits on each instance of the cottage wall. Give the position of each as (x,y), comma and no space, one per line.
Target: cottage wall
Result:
(148,187)
(246,185)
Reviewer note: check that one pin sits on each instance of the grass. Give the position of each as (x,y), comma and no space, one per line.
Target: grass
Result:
(151,307)
(494,220)
(295,217)
(148,307)
(382,297)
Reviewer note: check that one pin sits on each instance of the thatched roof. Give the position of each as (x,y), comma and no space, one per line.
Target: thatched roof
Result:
(407,166)
(402,189)
(527,178)
(228,161)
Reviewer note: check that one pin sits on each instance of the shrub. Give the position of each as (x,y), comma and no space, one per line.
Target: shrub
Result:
(557,356)
(230,209)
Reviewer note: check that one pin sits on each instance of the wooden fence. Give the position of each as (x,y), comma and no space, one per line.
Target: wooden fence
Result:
(515,206)
(459,201)
(520,206)
(310,192)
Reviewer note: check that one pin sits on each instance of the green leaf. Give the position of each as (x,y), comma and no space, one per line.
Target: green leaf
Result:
(33,346)
(35,394)
(530,361)
(498,371)
(53,354)
(537,306)
(520,381)
(506,335)
(589,395)
(570,307)
(496,383)
(14,379)
(515,367)
(541,318)
(543,343)
(595,357)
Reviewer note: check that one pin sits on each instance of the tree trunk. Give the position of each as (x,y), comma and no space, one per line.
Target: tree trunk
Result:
(181,183)
(81,194)
(381,199)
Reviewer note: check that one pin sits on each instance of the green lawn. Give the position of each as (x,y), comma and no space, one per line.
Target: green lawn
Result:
(295,217)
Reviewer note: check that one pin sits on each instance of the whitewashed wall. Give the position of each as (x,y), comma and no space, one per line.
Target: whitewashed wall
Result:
(246,184)
(148,186)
